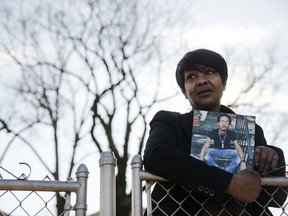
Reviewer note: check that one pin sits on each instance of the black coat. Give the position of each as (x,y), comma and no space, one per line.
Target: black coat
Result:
(167,154)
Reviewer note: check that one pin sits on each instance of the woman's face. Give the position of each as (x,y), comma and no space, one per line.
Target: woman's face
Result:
(203,88)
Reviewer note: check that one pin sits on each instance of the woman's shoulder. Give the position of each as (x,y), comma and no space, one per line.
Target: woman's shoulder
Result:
(171,117)
(165,113)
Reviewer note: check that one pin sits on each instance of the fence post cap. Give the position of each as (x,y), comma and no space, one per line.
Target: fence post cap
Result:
(82,171)
(107,158)
(136,161)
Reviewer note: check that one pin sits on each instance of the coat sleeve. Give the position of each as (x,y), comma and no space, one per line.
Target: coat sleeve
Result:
(164,157)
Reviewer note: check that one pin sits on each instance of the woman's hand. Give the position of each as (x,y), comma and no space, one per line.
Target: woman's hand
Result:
(245,186)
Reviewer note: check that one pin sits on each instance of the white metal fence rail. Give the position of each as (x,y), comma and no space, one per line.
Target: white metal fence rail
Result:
(79,187)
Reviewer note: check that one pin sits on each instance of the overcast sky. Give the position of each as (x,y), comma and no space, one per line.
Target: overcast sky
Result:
(249,23)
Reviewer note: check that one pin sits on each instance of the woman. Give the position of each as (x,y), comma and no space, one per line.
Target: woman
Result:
(201,75)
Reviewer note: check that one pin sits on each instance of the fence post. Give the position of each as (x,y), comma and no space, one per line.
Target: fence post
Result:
(81,200)
(136,166)
(107,163)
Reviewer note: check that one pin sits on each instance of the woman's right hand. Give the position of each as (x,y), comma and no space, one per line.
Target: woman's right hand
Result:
(245,186)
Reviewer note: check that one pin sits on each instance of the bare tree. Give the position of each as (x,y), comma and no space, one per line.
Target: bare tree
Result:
(84,69)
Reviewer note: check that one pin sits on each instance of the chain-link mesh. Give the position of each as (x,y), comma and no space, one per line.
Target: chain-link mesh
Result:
(227,207)
(174,199)
(27,203)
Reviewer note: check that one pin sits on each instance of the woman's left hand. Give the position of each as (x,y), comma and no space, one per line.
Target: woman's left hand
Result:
(265,159)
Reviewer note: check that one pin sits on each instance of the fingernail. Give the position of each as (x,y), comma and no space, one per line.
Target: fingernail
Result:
(256,166)
(263,174)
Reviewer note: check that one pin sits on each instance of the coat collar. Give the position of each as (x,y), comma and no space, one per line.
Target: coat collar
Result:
(186,121)
(226,109)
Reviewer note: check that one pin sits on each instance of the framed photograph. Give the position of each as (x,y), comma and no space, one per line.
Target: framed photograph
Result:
(223,140)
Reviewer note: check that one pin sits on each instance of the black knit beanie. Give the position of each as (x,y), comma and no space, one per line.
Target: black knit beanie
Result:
(202,57)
